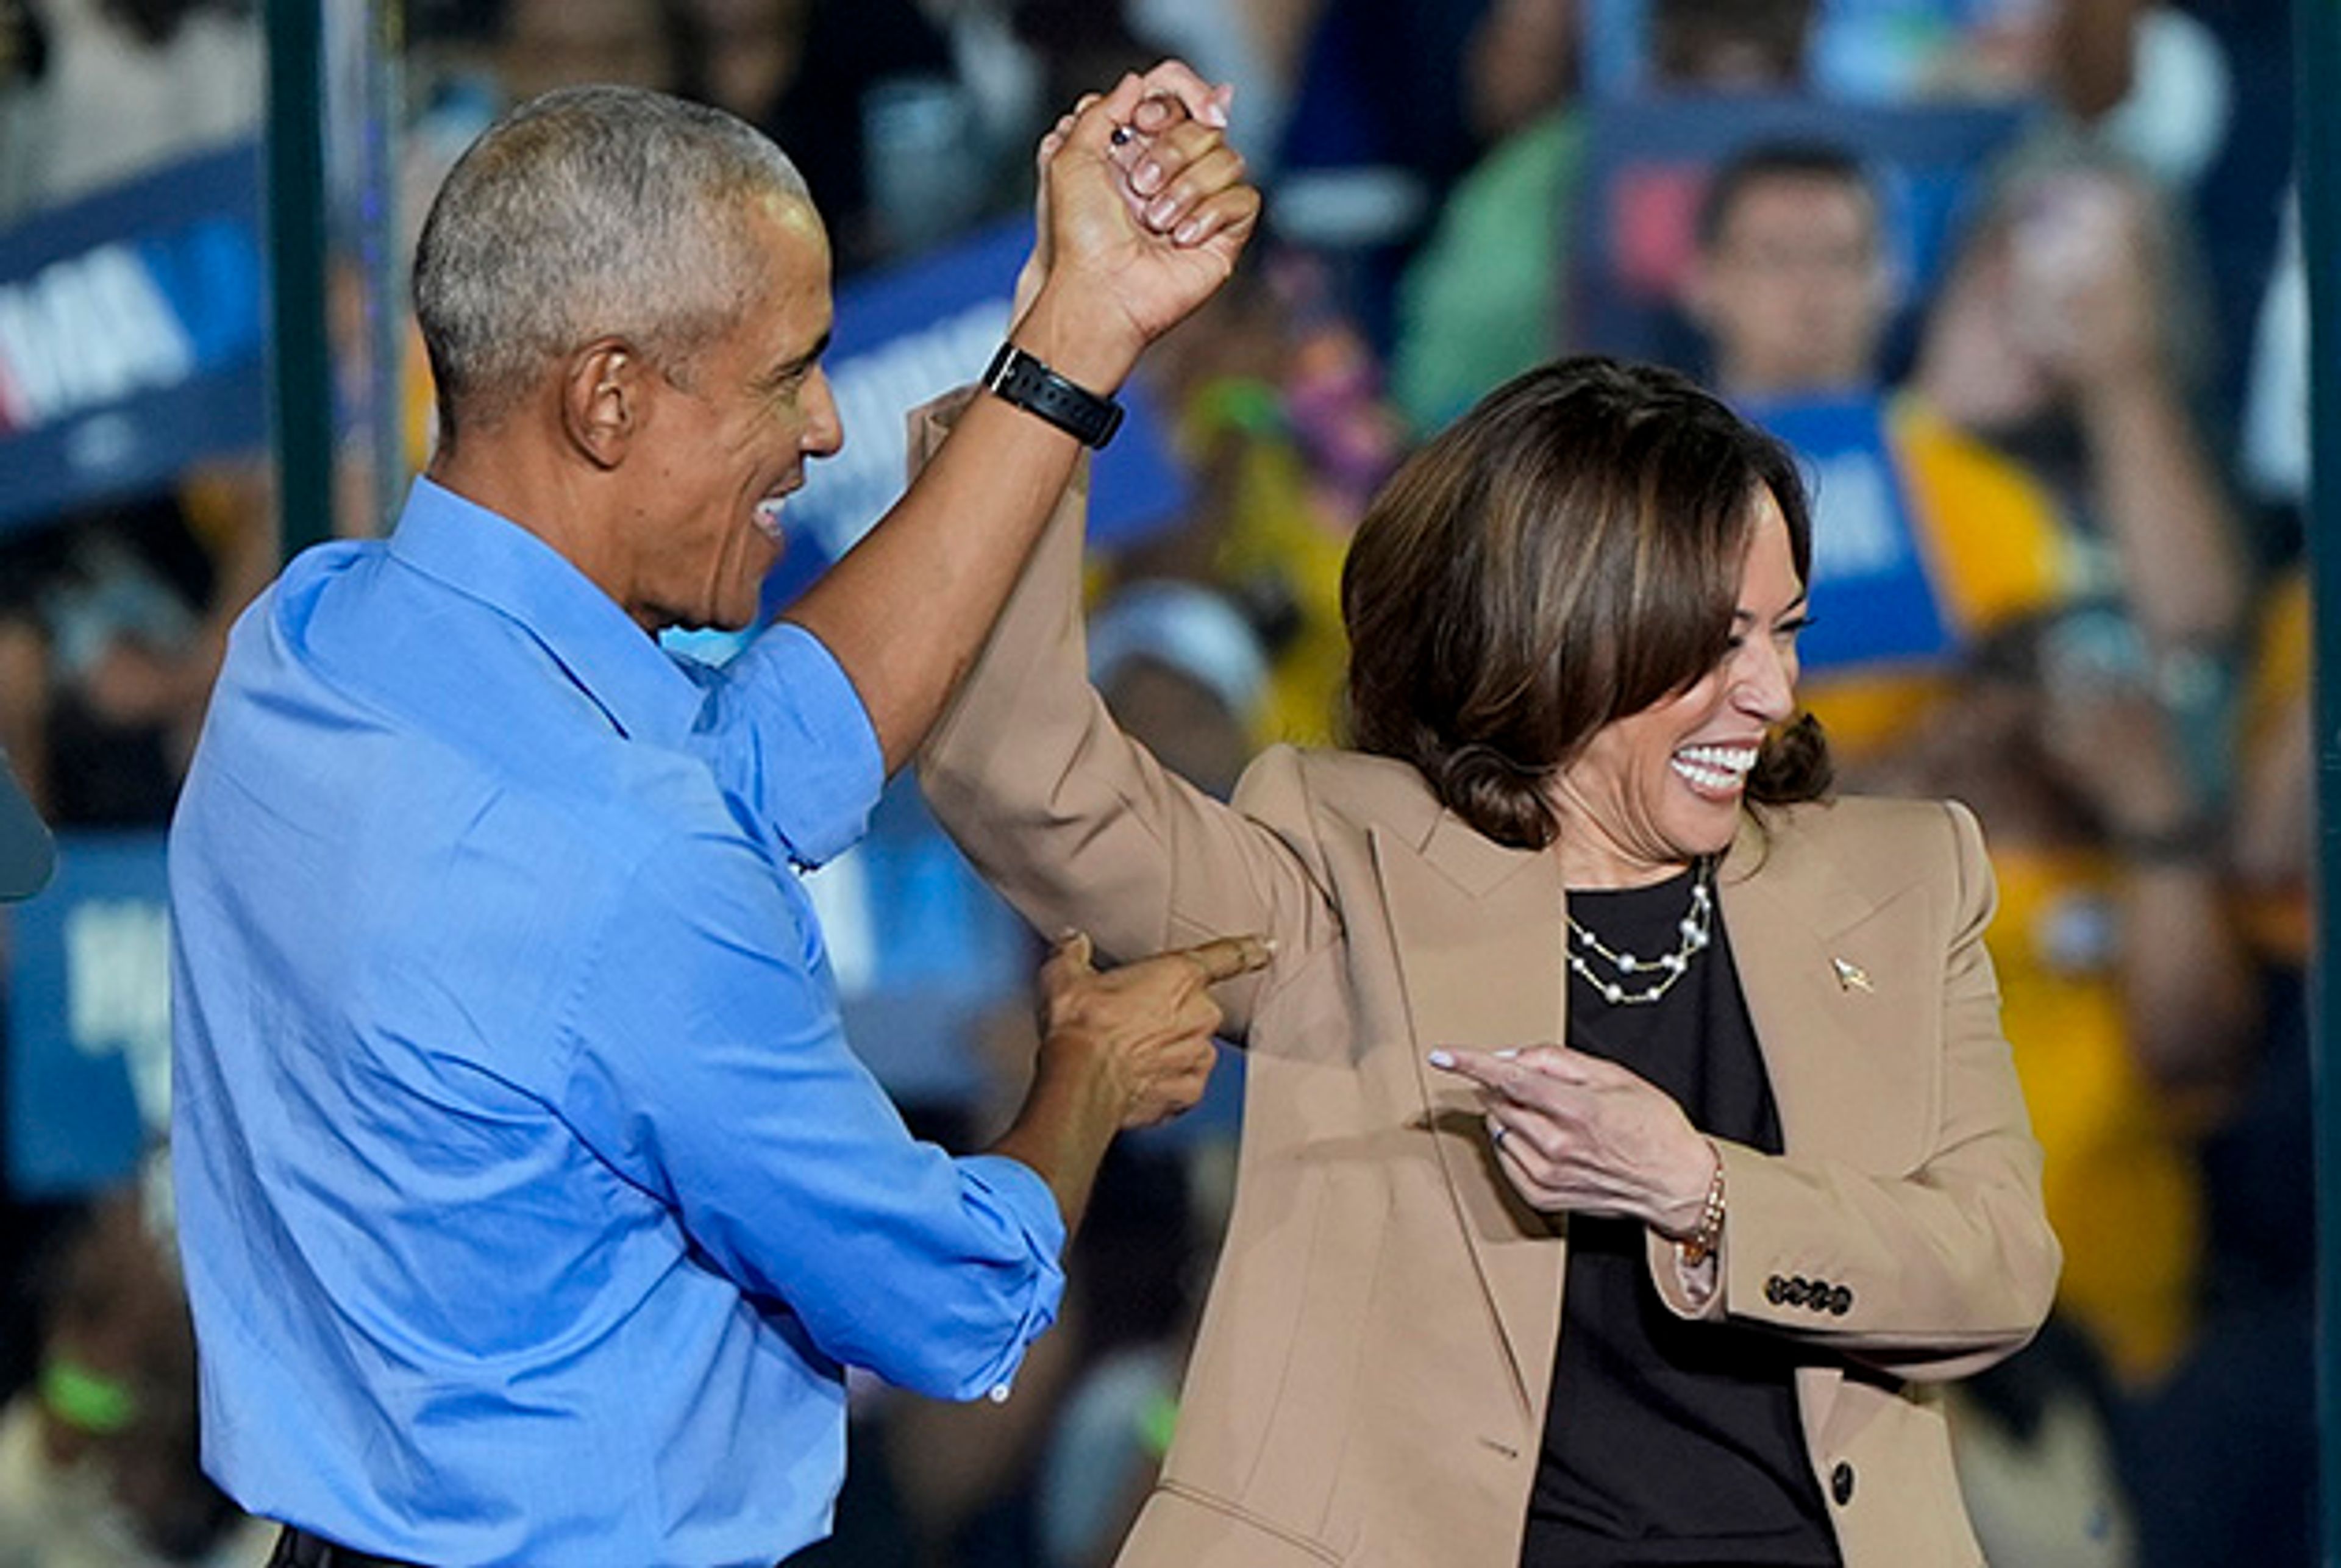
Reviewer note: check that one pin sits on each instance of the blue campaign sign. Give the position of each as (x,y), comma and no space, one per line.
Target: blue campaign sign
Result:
(1872,599)
(89,1017)
(131,336)
(908,333)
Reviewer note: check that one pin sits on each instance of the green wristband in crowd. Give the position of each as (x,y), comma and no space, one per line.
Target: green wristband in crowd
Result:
(84,1399)
(1155,1420)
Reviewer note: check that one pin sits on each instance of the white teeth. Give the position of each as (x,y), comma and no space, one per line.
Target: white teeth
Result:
(1714,767)
(768,516)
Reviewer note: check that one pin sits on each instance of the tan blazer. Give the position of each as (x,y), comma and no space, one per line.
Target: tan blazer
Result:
(1370,1383)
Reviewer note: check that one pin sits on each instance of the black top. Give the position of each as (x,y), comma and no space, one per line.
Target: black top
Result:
(1668,1441)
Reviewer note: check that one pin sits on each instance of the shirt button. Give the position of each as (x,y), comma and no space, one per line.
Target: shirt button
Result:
(1841,1482)
(998,1394)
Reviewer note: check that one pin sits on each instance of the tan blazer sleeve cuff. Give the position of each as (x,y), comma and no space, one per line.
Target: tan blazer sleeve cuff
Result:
(1700,1295)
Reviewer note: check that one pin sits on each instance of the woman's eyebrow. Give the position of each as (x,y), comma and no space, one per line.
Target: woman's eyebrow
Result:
(1794,606)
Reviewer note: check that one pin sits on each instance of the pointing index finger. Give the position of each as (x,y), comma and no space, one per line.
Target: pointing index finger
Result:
(1476,1065)
(1225,957)
(1501,1072)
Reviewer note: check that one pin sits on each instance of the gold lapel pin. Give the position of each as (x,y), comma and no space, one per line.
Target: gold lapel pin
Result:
(1851,976)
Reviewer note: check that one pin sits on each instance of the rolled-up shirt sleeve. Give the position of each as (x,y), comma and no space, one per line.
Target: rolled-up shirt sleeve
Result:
(787,736)
(709,1069)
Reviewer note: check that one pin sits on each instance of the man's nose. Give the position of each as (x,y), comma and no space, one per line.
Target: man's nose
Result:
(824,431)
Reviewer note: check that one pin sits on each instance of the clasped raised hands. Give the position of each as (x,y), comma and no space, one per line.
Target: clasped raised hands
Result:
(1143,208)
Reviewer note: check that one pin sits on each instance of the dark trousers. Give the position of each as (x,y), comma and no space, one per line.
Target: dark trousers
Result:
(299,1549)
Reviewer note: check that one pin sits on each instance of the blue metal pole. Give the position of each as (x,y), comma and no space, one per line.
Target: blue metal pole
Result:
(2317,39)
(301,371)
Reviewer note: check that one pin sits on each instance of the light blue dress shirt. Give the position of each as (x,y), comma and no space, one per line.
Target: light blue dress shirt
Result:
(531,1201)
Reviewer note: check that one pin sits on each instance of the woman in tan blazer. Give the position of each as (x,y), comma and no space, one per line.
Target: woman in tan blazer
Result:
(1630,1149)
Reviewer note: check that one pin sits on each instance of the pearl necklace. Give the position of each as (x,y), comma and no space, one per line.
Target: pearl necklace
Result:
(1696,927)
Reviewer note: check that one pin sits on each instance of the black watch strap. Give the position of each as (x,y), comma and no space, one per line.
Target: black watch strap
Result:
(1015,377)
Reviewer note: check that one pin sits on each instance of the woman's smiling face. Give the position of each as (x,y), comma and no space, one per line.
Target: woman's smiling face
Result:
(1653,791)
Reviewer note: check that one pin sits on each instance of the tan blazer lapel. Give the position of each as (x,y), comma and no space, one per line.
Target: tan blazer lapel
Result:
(1840,1015)
(1478,933)
(1838,1009)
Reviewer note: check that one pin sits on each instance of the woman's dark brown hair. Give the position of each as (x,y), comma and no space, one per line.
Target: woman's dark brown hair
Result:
(1567,554)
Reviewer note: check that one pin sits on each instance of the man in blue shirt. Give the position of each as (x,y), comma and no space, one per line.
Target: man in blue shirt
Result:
(530,1203)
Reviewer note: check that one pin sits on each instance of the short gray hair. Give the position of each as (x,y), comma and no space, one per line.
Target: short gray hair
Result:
(584,213)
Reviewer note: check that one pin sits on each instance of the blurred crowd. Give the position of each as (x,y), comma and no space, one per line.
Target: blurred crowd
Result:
(2071,357)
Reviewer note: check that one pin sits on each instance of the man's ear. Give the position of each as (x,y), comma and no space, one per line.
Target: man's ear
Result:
(602,400)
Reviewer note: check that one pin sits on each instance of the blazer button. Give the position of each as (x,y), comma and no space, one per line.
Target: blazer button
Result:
(1841,1482)
(1840,1300)
(1776,1290)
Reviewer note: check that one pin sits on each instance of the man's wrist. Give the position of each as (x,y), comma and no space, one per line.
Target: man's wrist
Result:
(1072,1111)
(1092,345)
(1031,383)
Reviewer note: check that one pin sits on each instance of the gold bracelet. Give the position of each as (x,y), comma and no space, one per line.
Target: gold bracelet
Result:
(1699,1245)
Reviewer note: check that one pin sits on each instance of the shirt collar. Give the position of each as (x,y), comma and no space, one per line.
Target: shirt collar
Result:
(493,560)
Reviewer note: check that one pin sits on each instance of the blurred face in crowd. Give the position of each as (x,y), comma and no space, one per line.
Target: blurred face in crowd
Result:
(550,44)
(1793,291)
(723,440)
(1977,367)
(1748,45)
(1654,790)
(2064,286)
(752,50)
